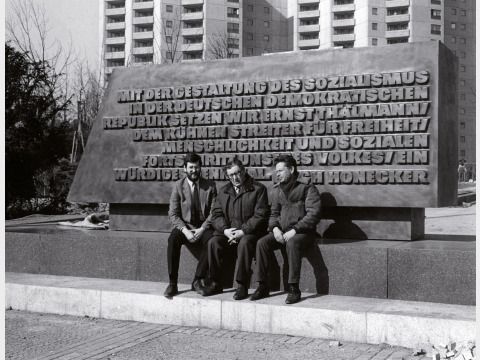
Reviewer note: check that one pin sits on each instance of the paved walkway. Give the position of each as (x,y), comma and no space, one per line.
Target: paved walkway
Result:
(45,336)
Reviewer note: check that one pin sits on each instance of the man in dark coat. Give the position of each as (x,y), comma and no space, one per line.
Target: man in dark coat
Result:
(295,213)
(189,212)
(239,217)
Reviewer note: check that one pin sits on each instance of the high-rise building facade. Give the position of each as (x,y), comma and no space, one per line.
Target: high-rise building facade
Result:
(136,32)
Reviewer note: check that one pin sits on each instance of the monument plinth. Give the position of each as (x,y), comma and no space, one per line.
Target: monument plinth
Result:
(374,128)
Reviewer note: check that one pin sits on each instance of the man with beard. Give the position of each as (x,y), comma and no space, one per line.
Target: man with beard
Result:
(295,213)
(189,212)
(239,217)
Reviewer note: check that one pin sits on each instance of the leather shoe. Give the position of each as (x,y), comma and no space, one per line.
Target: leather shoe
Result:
(261,293)
(213,289)
(171,290)
(294,295)
(241,293)
(198,287)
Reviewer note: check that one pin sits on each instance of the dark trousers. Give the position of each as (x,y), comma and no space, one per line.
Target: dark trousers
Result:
(217,248)
(294,248)
(175,242)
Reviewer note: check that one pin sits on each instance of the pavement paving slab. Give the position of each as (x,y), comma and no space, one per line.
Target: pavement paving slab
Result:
(47,336)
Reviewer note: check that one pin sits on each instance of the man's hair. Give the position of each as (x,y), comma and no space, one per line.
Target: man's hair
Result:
(288,160)
(192,158)
(234,162)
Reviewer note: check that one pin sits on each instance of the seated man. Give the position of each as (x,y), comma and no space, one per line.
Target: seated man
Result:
(189,212)
(295,213)
(239,217)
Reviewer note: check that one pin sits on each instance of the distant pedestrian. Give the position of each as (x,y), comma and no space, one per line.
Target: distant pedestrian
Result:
(462,171)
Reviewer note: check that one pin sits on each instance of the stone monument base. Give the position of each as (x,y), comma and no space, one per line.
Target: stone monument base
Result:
(403,270)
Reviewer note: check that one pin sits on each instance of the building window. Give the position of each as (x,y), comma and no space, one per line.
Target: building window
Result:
(453,25)
(462,111)
(453,39)
(463,12)
(436,2)
(435,29)
(462,41)
(168,39)
(462,139)
(250,36)
(266,10)
(168,55)
(462,153)
(462,96)
(169,23)
(462,54)
(169,8)
(374,41)
(436,14)
(250,8)
(233,43)
(233,28)
(374,26)
(374,11)
(266,24)
(462,68)
(454,11)
(462,82)
(233,12)
(250,22)
(463,27)
(266,38)
(250,51)
(462,125)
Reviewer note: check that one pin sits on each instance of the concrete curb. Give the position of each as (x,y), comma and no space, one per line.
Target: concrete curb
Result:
(365,320)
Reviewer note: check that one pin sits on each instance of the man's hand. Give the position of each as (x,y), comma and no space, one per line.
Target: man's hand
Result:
(289,234)
(237,235)
(229,233)
(278,234)
(197,233)
(189,235)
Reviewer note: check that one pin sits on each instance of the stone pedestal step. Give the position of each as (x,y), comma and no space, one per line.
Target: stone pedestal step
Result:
(344,318)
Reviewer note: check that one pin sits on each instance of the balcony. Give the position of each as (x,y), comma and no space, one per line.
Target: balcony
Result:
(343,23)
(145,50)
(192,2)
(115,11)
(192,31)
(143,5)
(389,34)
(343,37)
(115,55)
(300,2)
(308,28)
(396,3)
(115,26)
(142,35)
(198,15)
(308,43)
(115,40)
(192,47)
(397,18)
(343,8)
(308,14)
(143,20)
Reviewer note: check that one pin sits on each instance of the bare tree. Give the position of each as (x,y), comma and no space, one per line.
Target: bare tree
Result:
(28,31)
(221,46)
(171,31)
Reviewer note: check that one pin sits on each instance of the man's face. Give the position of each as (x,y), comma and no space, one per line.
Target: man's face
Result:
(236,175)
(193,171)
(283,172)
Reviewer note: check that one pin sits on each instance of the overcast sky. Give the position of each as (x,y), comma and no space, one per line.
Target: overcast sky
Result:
(73,19)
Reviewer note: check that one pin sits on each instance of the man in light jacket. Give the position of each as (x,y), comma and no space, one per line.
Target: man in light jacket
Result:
(295,213)
(189,212)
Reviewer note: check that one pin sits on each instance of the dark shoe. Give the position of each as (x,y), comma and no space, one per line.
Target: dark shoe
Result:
(241,293)
(213,289)
(171,290)
(260,293)
(294,295)
(198,287)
